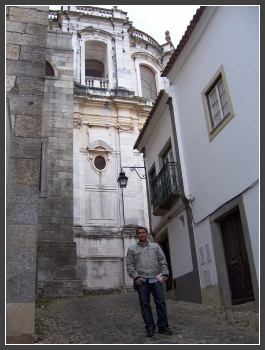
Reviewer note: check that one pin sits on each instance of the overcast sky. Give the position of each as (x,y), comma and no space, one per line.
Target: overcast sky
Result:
(156,19)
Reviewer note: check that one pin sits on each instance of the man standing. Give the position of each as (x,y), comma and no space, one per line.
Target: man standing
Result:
(145,262)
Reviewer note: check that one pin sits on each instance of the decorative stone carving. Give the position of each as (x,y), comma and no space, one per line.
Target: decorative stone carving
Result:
(77,123)
(124,127)
(107,106)
(99,148)
(71,27)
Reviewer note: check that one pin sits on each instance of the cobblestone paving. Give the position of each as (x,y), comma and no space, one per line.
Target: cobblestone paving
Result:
(116,319)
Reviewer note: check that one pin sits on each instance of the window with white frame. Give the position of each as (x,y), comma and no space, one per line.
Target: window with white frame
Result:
(217,103)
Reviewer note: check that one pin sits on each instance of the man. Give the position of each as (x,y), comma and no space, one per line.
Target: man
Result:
(145,261)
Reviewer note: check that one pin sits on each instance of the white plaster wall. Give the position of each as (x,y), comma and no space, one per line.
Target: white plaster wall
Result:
(204,236)
(179,243)
(232,40)
(160,132)
(219,170)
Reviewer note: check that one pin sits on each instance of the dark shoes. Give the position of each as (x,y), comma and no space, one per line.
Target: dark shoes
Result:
(150,332)
(165,330)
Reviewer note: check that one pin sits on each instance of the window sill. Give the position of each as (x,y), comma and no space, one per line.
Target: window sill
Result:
(220,126)
(51,77)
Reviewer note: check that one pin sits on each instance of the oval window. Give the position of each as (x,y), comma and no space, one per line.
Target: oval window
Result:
(100,162)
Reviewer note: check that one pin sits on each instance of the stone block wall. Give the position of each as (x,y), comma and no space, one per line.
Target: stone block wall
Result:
(56,259)
(26,37)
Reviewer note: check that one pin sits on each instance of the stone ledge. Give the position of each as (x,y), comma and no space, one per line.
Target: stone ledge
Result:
(60,289)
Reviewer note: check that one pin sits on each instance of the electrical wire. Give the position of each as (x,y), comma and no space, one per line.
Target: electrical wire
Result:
(196,223)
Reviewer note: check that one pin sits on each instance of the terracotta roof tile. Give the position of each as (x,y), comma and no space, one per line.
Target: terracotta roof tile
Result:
(184,40)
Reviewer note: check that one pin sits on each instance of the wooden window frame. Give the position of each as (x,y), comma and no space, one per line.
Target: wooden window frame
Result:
(213,131)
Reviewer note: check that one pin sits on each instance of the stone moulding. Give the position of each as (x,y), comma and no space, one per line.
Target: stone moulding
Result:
(100,32)
(124,127)
(99,148)
(77,123)
(147,56)
(113,97)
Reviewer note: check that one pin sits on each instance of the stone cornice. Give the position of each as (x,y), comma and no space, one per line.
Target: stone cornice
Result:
(147,56)
(79,16)
(133,99)
(91,29)
(99,146)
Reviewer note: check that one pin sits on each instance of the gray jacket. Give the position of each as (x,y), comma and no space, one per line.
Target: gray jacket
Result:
(146,261)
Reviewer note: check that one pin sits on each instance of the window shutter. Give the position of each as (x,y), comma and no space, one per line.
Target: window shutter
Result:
(148,83)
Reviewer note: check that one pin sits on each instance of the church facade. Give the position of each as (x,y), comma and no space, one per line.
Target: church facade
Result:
(116,78)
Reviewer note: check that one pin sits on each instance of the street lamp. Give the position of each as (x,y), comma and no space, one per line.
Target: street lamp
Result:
(123,179)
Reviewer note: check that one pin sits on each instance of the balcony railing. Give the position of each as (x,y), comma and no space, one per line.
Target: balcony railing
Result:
(141,35)
(95,11)
(92,82)
(164,187)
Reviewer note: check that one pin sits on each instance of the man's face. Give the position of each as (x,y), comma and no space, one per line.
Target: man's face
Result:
(142,235)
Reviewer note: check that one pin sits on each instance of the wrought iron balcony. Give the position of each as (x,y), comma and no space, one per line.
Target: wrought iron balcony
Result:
(165,189)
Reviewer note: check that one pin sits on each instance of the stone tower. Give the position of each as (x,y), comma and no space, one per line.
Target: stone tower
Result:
(26,40)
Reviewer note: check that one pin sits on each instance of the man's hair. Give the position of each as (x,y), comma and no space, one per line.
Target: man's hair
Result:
(141,227)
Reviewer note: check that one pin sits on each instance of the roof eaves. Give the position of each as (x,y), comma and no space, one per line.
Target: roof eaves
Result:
(184,40)
(159,97)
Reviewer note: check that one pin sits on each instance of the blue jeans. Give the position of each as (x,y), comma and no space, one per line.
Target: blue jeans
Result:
(144,291)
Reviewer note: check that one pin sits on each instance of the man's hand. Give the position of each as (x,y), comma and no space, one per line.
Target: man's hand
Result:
(138,282)
(165,278)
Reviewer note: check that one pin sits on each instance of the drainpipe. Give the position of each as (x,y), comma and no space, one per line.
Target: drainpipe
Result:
(148,194)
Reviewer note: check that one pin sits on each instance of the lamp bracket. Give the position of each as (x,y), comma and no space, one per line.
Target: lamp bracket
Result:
(133,168)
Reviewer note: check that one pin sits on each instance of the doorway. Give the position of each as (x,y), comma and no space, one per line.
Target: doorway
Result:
(165,247)
(236,258)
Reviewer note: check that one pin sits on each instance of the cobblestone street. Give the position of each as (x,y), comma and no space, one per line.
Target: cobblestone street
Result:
(116,319)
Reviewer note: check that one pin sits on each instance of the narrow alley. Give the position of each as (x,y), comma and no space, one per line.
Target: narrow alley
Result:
(115,318)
